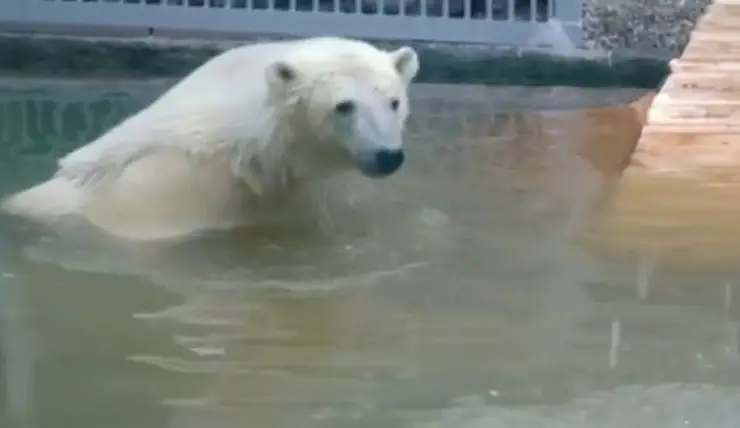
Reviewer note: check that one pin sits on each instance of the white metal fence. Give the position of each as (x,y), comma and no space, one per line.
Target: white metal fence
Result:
(505,22)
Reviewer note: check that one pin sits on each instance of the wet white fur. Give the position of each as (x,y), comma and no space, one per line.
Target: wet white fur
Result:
(222,147)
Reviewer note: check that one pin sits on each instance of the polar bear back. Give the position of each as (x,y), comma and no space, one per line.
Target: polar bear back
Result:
(186,115)
(220,104)
(220,148)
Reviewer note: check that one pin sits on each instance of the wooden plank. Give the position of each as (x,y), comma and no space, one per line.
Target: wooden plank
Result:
(689,149)
(689,83)
(699,96)
(713,54)
(716,23)
(713,49)
(683,65)
(695,119)
(724,35)
(718,42)
(688,138)
(721,115)
(712,25)
(683,128)
(723,17)
(709,100)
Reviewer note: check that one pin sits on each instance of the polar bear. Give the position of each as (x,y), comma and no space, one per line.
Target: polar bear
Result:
(248,131)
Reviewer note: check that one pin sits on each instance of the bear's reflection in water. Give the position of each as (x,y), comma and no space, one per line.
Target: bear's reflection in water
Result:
(463,278)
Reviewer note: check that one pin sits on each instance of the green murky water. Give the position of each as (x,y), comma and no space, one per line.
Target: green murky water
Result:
(465,303)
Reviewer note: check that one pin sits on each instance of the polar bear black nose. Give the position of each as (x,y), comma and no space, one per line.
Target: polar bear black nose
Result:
(388,161)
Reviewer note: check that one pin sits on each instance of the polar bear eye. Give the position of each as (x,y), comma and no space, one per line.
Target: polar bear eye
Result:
(345,107)
(394,104)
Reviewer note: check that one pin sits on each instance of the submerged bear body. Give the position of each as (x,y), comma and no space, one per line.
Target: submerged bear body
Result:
(246,133)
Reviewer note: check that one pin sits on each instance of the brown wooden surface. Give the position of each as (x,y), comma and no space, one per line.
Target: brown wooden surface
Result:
(680,196)
(694,123)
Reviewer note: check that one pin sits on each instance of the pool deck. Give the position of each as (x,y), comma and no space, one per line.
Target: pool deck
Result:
(694,121)
(680,196)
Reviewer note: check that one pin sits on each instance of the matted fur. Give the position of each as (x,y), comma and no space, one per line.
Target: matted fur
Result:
(222,147)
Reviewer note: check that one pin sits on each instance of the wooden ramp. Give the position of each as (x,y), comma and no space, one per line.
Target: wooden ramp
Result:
(694,122)
(680,196)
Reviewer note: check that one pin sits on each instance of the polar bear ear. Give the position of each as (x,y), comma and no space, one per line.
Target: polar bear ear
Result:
(282,76)
(406,62)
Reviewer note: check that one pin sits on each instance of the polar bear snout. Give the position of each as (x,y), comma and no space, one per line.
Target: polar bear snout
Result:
(380,163)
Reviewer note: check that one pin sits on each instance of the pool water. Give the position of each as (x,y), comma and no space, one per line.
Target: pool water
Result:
(474,292)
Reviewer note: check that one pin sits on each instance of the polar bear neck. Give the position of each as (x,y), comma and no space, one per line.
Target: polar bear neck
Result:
(279,159)
(268,162)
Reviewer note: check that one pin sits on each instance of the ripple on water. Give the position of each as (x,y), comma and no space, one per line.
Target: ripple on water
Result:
(468,282)
(661,406)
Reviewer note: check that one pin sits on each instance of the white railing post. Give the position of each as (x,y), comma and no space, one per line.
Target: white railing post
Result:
(570,15)
(14,10)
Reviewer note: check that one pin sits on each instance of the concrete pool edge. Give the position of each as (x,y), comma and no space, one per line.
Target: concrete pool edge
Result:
(66,56)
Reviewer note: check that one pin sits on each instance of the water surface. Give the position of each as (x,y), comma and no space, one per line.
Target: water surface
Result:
(465,299)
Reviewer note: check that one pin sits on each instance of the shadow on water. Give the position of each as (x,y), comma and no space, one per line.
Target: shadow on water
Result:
(464,300)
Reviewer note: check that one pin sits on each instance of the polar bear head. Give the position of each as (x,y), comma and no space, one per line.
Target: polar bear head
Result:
(346,104)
